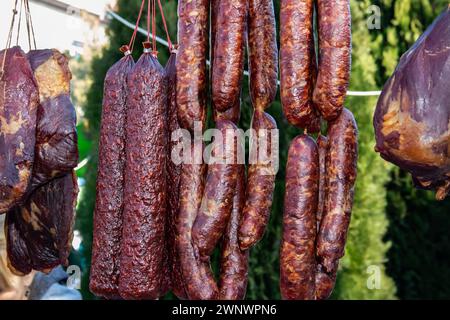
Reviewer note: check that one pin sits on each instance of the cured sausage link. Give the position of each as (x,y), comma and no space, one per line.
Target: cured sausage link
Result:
(144,214)
(217,202)
(234,113)
(234,261)
(229,53)
(298,63)
(260,183)
(193,16)
(297,256)
(322,143)
(173,184)
(107,234)
(198,278)
(335,43)
(263,53)
(341,176)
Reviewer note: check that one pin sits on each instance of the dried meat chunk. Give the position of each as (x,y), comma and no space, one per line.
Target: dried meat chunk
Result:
(39,233)
(19,101)
(56,151)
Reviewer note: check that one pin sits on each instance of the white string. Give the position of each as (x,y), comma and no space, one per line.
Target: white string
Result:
(165,43)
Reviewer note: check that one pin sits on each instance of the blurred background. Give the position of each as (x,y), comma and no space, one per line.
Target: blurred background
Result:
(398,245)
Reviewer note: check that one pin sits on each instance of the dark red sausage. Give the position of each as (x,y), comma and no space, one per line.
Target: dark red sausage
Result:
(335,43)
(263,53)
(198,277)
(322,143)
(217,202)
(173,184)
(143,233)
(104,277)
(297,256)
(193,16)
(234,113)
(56,150)
(260,184)
(19,99)
(229,53)
(324,283)
(234,261)
(341,176)
(39,233)
(297,63)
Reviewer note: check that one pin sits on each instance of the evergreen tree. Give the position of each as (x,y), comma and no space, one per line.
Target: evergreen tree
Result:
(365,246)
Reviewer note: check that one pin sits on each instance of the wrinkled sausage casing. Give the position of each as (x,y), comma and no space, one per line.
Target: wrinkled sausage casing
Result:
(197,274)
(193,16)
(298,63)
(322,143)
(19,99)
(341,176)
(144,214)
(325,282)
(233,260)
(229,53)
(335,43)
(297,255)
(263,53)
(104,276)
(173,184)
(260,183)
(39,233)
(217,202)
(56,151)
(234,113)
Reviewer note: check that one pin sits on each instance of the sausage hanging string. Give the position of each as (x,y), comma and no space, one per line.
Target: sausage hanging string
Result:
(30,27)
(8,41)
(133,37)
(125,22)
(20,20)
(165,26)
(154,26)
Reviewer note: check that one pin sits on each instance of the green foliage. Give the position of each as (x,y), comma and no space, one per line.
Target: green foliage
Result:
(418,228)
(365,246)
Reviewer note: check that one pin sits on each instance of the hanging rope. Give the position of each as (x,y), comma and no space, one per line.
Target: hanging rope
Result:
(9,40)
(165,26)
(133,37)
(126,23)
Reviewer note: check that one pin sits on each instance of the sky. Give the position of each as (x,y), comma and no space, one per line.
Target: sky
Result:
(54,29)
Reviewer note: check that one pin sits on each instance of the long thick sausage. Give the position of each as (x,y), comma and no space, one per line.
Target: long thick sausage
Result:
(56,150)
(335,43)
(341,172)
(229,53)
(197,274)
(263,53)
(104,276)
(234,261)
(217,202)
(173,184)
(143,232)
(19,99)
(297,256)
(322,143)
(193,16)
(260,183)
(297,63)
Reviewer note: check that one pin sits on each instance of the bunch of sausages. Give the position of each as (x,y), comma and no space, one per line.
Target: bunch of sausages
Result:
(320,174)
(38,154)
(156,223)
